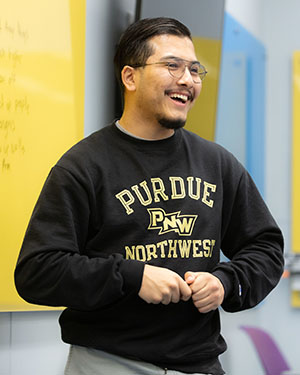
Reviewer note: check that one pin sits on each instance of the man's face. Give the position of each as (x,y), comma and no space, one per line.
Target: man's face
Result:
(161,97)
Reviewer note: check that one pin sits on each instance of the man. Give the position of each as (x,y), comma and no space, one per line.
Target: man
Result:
(128,228)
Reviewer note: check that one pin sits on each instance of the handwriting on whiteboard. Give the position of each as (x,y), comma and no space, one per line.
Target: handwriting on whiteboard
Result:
(14,104)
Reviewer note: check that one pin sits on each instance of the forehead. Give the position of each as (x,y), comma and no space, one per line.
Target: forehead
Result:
(172,45)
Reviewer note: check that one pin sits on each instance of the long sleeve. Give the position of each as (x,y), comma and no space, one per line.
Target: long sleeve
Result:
(254,245)
(53,267)
(114,203)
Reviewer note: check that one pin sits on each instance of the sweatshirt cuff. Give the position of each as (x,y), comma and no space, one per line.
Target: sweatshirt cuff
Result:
(132,272)
(226,280)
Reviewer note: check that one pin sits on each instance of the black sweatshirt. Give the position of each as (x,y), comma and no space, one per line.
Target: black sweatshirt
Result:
(114,203)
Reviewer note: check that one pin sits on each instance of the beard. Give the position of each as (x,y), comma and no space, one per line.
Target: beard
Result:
(171,123)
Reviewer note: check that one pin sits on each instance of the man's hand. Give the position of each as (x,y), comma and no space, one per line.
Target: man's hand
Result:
(161,285)
(207,290)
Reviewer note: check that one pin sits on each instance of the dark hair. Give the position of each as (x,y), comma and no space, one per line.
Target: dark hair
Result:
(133,47)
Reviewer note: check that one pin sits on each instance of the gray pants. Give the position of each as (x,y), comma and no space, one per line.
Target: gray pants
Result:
(87,361)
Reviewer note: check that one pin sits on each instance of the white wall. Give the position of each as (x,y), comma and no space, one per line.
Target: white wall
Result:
(281,36)
(240,357)
(249,13)
(276,24)
(282,31)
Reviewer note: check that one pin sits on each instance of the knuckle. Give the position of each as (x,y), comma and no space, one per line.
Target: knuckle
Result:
(165,293)
(173,284)
(156,300)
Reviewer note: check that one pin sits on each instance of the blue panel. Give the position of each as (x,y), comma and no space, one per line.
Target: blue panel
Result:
(237,40)
(231,129)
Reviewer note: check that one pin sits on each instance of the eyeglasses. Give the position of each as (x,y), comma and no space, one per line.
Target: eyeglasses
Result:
(177,67)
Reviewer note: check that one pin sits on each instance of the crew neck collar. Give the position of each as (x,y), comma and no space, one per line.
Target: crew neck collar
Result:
(161,145)
(120,127)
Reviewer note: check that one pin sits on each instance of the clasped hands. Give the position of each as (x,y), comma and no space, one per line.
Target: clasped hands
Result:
(161,285)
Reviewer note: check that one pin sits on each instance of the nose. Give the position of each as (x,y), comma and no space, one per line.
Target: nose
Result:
(186,78)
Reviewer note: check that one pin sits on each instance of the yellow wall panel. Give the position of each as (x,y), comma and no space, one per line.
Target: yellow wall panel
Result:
(42,49)
(202,117)
(295,298)
(296,155)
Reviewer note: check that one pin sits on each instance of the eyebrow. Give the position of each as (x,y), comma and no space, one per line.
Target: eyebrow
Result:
(171,57)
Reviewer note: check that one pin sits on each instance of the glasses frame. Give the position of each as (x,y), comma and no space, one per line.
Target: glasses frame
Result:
(187,64)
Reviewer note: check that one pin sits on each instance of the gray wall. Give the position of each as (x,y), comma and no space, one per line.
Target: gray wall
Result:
(106,19)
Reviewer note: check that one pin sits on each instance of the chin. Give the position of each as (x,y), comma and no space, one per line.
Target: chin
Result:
(172,123)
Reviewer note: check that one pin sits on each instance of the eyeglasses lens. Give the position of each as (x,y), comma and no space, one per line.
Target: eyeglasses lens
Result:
(197,71)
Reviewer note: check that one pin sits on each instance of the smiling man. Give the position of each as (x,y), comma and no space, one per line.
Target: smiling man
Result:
(176,81)
(128,229)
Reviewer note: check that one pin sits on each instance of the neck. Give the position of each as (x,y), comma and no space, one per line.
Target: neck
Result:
(143,128)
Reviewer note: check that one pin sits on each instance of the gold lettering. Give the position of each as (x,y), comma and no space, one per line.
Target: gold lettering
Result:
(172,248)
(126,203)
(206,248)
(144,185)
(156,216)
(190,187)
(197,253)
(151,251)
(186,225)
(129,252)
(158,189)
(162,245)
(184,248)
(170,223)
(187,249)
(175,194)
(206,193)
(140,253)
(179,187)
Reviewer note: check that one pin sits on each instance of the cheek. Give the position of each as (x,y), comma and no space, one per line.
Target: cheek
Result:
(198,91)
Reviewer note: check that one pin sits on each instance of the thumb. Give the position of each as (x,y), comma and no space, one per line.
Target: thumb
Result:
(189,277)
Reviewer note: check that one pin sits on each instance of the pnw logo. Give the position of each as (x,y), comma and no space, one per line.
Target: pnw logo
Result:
(173,222)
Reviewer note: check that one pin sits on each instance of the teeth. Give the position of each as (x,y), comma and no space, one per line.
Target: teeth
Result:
(180,96)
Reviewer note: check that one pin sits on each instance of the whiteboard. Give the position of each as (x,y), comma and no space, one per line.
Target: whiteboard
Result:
(42,46)
(296,155)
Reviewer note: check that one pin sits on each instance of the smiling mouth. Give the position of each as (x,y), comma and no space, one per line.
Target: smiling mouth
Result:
(180,97)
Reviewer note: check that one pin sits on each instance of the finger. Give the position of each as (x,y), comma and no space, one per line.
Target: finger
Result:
(175,293)
(199,285)
(166,300)
(175,298)
(185,291)
(189,277)
(206,305)
(172,293)
(201,294)
(208,308)
(213,290)
(200,302)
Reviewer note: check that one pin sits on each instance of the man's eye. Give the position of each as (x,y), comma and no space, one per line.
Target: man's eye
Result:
(194,69)
(173,65)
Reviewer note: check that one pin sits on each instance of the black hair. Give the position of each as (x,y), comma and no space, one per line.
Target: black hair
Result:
(133,47)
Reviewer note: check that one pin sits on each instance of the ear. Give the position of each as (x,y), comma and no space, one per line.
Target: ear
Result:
(129,78)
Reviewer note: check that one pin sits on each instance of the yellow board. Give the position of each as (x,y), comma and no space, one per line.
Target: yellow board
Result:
(295,296)
(202,117)
(42,49)
(296,155)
